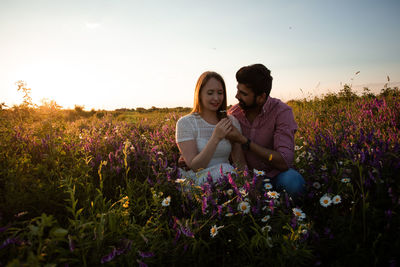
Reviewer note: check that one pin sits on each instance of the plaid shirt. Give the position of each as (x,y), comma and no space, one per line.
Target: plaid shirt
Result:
(273,128)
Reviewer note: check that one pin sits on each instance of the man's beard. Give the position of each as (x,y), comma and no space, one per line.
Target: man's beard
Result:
(247,107)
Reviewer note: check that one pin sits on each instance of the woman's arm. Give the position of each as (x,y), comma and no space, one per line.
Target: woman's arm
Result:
(238,156)
(195,160)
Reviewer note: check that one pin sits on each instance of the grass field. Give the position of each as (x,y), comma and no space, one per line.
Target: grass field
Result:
(84,188)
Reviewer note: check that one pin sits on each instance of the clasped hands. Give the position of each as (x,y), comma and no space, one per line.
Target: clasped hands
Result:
(225,129)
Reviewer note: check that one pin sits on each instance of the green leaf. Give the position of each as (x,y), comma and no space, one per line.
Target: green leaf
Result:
(59,232)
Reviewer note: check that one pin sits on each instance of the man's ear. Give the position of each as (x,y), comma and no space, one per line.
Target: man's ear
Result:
(261,98)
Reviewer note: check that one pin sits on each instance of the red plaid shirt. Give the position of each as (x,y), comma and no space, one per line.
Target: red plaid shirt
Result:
(273,128)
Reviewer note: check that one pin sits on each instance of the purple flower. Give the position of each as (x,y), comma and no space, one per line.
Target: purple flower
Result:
(186,231)
(141,263)
(109,257)
(146,254)
(204,205)
(9,241)
(71,243)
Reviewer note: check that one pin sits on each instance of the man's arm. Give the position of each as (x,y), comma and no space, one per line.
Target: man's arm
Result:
(271,157)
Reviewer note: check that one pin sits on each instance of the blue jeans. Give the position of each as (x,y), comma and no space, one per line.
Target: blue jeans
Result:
(291,181)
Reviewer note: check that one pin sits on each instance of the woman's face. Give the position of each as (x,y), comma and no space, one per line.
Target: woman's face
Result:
(211,95)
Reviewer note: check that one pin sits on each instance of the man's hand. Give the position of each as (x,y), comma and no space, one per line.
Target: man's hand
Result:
(235,136)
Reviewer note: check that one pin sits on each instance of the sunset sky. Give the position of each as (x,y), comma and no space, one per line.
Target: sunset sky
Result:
(109,54)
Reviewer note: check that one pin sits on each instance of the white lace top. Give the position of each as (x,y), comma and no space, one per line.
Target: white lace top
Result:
(194,127)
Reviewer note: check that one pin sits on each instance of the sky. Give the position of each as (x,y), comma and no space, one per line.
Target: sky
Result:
(110,54)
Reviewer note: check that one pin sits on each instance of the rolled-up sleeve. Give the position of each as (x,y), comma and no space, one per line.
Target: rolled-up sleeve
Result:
(286,127)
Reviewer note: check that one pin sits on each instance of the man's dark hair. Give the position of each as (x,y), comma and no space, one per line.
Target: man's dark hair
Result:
(256,77)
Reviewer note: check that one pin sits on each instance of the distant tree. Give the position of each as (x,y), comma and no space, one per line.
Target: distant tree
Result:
(141,110)
(347,93)
(49,104)
(367,93)
(388,91)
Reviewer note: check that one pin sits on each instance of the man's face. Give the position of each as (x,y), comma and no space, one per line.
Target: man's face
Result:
(246,97)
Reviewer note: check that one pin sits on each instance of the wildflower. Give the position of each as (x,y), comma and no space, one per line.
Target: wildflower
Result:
(267,227)
(336,199)
(323,168)
(273,194)
(243,192)
(325,200)
(214,230)
(300,215)
(229,192)
(345,180)
(316,185)
(229,214)
(166,201)
(298,147)
(297,160)
(268,186)
(244,207)
(301,171)
(259,173)
(265,218)
(127,143)
(126,204)
(180,180)
(146,254)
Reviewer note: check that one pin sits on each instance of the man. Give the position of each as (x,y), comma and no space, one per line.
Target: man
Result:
(268,128)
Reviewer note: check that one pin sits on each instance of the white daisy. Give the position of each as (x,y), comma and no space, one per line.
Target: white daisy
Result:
(265,218)
(323,168)
(316,185)
(298,147)
(166,201)
(325,200)
(336,199)
(268,186)
(273,194)
(244,207)
(267,227)
(229,192)
(243,192)
(300,215)
(214,230)
(345,180)
(180,180)
(258,173)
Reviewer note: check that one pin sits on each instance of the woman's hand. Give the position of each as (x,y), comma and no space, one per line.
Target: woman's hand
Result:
(222,128)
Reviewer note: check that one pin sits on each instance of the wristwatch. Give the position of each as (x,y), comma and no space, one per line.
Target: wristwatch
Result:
(246,146)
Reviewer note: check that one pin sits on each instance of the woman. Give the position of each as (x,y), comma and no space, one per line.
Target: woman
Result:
(200,135)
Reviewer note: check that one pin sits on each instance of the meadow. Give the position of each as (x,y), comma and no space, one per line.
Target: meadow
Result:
(81,188)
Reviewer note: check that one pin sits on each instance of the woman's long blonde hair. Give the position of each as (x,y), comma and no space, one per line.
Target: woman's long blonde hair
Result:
(203,79)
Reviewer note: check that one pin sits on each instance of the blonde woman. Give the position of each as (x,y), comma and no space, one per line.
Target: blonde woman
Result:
(201,135)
